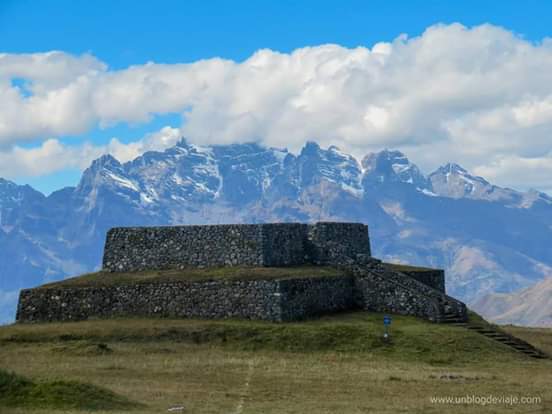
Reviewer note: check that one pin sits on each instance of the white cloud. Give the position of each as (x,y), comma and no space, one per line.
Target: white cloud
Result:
(54,156)
(519,172)
(481,97)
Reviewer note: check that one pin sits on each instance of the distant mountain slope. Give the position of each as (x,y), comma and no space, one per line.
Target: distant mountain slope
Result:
(531,306)
(489,239)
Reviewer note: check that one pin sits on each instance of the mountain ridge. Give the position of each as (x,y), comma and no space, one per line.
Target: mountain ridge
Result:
(489,239)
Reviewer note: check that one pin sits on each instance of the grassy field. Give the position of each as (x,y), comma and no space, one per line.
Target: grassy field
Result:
(159,276)
(337,364)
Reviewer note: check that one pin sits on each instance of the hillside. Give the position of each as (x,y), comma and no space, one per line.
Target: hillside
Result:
(335,364)
(529,307)
(488,239)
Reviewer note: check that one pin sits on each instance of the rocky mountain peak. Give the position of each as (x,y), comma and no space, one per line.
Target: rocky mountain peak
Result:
(311,148)
(332,165)
(105,173)
(452,180)
(106,161)
(453,168)
(391,166)
(12,194)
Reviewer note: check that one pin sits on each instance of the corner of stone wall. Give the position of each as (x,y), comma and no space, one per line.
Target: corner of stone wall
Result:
(20,305)
(379,289)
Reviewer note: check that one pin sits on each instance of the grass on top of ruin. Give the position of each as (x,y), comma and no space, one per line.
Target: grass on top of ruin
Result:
(103,278)
(335,364)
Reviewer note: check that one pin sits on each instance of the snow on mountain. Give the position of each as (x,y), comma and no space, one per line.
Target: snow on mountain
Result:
(451,180)
(247,170)
(332,165)
(392,167)
(185,172)
(106,174)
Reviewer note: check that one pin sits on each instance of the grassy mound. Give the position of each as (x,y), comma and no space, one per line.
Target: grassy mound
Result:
(159,276)
(18,391)
(412,339)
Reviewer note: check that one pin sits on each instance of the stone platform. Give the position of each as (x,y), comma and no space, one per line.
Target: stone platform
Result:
(288,271)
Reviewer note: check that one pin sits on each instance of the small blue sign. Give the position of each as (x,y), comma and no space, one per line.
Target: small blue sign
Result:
(387,320)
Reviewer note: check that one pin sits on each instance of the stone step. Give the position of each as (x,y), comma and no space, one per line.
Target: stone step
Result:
(506,342)
(452,318)
(512,343)
(530,353)
(521,347)
(501,339)
(504,338)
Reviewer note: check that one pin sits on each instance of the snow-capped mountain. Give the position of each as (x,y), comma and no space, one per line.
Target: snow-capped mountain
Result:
(489,239)
(392,167)
(451,180)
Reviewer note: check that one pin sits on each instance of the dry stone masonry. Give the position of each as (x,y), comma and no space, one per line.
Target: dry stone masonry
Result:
(277,244)
(362,282)
(273,300)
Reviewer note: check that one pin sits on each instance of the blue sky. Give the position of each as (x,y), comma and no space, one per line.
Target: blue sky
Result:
(124,32)
(121,34)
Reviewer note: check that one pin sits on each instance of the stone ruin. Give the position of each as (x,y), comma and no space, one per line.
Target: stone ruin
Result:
(360,281)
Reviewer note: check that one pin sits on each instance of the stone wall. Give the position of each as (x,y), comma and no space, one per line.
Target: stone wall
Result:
(155,248)
(277,244)
(304,298)
(380,289)
(379,294)
(283,244)
(329,241)
(273,300)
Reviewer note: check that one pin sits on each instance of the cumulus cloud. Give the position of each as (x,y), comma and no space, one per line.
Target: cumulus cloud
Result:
(52,155)
(479,96)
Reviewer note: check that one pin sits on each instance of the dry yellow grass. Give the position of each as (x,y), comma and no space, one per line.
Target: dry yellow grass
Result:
(145,364)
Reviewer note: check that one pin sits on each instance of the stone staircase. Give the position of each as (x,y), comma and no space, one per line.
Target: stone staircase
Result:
(442,308)
(452,317)
(380,288)
(496,334)
(446,309)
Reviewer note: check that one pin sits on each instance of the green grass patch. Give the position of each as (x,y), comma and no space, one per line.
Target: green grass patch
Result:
(231,273)
(18,391)
(412,339)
